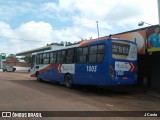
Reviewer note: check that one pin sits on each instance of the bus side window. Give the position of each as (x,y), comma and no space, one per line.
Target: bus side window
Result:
(33,61)
(53,56)
(63,58)
(101,48)
(46,58)
(92,53)
(37,59)
(85,54)
(96,53)
(59,55)
(78,54)
(82,54)
(41,59)
(70,56)
(100,53)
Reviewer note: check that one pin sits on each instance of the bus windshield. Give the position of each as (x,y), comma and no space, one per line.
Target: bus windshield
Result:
(124,50)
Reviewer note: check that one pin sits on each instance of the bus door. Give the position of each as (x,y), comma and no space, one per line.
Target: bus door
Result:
(33,61)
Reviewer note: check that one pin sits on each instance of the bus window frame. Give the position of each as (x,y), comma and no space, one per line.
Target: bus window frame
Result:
(97,53)
(58,57)
(41,58)
(54,57)
(46,58)
(33,61)
(81,54)
(37,59)
(70,55)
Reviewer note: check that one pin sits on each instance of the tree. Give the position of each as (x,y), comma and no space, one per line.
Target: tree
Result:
(13,56)
(61,43)
(55,43)
(27,59)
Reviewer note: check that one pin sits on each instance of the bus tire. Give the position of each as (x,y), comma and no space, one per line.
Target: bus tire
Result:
(38,78)
(68,81)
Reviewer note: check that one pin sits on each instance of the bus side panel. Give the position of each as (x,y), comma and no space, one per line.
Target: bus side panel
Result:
(55,73)
(90,74)
(44,71)
(50,72)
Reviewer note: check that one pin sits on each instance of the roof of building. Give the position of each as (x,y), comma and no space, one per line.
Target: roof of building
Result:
(29,52)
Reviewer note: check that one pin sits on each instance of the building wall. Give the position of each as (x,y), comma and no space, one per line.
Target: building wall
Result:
(11,62)
(155,70)
(16,64)
(148,64)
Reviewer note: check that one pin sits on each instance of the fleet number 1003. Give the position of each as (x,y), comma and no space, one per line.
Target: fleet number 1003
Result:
(91,68)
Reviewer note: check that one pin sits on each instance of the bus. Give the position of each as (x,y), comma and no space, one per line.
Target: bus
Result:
(101,62)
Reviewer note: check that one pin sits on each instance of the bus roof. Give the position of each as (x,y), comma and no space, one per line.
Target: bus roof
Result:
(83,43)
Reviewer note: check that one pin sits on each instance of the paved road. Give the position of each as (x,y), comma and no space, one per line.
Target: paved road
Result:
(19,92)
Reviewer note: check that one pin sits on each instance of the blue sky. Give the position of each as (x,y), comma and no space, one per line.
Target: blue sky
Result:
(28,24)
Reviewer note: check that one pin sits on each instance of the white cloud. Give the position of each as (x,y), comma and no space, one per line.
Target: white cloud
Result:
(35,31)
(113,16)
(50,7)
(7,32)
(37,34)
(28,36)
(124,14)
(11,8)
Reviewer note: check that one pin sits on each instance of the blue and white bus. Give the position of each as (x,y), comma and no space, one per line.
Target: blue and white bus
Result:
(103,61)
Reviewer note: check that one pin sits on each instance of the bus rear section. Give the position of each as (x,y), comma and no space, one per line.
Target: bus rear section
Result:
(123,63)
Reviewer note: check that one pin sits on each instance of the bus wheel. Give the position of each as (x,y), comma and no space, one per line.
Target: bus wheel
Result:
(68,81)
(38,77)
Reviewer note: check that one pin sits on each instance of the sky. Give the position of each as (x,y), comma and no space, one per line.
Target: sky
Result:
(29,24)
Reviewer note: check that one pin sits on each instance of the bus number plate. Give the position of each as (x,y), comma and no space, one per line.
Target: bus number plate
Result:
(91,68)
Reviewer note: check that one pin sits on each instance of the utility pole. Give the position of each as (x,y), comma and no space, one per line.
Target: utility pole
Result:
(158,2)
(0,61)
(97,29)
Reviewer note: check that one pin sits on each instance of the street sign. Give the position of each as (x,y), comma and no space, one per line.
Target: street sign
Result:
(3,56)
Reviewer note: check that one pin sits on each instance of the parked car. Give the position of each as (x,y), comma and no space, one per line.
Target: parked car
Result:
(8,69)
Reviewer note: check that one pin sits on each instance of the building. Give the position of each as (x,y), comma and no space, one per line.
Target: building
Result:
(148,56)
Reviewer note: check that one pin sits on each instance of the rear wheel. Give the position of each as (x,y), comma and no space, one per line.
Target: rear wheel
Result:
(68,81)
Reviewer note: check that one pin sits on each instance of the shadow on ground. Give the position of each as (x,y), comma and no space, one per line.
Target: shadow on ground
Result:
(123,92)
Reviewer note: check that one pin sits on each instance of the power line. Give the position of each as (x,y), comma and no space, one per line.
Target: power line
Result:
(25,40)
(60,26)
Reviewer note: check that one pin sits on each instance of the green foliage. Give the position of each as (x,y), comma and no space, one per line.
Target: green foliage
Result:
(27,59)
(13,56)
(60,44)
